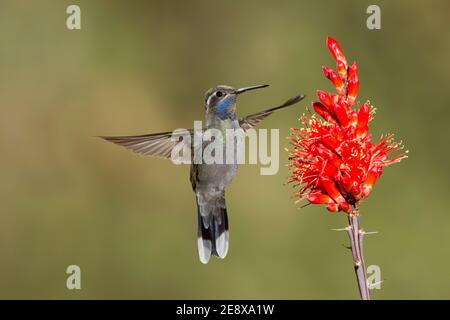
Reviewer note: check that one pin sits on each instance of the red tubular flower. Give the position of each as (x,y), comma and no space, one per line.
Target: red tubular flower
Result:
(335,79)
(353,84)
(334,161)
(338,55)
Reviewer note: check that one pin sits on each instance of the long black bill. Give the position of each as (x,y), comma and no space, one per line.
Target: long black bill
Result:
(241,90)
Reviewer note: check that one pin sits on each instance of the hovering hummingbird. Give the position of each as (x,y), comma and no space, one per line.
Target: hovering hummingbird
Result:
(208,180)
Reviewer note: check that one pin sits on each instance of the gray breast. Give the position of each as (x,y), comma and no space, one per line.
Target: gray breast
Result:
(217,176)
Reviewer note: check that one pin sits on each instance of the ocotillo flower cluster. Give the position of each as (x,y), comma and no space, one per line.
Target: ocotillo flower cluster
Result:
(333,160)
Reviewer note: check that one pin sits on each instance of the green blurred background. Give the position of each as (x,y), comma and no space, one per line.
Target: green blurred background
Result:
(136,67)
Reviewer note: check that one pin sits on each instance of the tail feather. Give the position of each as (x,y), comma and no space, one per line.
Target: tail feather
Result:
(212,229)
(221,234)
(204,241)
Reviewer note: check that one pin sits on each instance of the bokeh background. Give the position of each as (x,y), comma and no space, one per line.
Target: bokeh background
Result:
(136,67)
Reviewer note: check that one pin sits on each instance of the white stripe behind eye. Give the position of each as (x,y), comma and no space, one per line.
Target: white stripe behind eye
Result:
(209,98)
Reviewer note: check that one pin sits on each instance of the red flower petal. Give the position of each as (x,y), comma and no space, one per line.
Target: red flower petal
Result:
(341,114)
(353,83)
(330,170)
(336,51)
(330,188)
(325,98)
(330,142)
(323,111)
(354,118)
(363,120)
(319,198)
(333,207)
(335,79)
(372,177)
(342,69)
(345,207)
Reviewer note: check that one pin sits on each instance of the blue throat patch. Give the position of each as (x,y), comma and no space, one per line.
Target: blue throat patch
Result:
(223,109)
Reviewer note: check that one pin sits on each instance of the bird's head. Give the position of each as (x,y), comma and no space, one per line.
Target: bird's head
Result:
(221,100)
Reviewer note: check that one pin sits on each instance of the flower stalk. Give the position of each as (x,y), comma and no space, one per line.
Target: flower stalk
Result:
(356,236)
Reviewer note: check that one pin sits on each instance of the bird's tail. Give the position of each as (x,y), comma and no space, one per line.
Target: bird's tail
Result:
(212,236)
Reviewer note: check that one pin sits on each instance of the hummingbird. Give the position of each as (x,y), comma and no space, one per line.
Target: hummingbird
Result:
(208,181)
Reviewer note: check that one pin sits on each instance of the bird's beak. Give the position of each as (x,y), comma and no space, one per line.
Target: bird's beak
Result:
(241,90)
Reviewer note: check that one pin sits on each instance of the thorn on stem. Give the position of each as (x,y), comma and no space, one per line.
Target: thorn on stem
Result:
(369,232)
(342,229)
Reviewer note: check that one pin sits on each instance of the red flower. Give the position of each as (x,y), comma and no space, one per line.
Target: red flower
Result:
(334,161)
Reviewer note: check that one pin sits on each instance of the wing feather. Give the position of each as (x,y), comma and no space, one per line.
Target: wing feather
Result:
(253,120)
(154,144)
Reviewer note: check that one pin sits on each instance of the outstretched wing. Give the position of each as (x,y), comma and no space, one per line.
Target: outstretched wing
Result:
(154,144)
(161,144)
(253,120)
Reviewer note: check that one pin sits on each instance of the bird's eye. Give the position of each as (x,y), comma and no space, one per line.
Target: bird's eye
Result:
(219,94)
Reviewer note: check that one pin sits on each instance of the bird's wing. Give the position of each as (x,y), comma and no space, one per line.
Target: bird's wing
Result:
(161,144)
(154,144)
(253,120)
